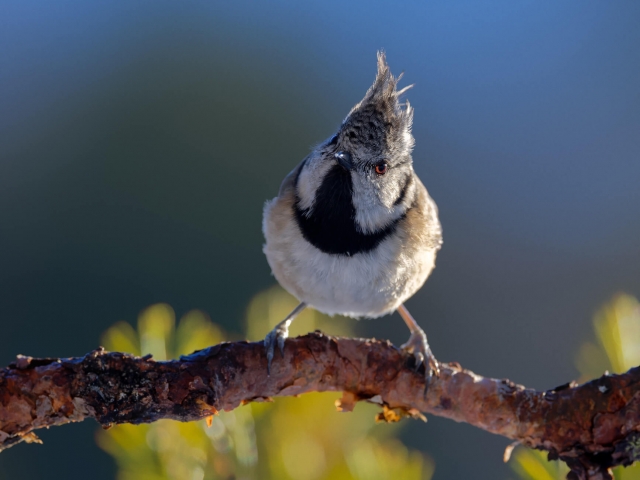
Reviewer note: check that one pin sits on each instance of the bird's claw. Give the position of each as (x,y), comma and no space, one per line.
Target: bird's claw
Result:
(276,336)
(417,346)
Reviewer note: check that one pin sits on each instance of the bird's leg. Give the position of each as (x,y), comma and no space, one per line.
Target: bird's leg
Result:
(418,346)
(279,333)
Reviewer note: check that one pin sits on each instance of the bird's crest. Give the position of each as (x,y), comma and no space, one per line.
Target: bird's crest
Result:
(380,121)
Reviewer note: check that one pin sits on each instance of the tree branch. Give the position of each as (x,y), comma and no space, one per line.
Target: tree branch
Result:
(592,427)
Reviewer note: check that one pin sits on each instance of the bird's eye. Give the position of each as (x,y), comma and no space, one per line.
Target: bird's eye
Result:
(381,168)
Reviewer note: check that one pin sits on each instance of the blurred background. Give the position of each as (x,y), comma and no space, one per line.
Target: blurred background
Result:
(139,141)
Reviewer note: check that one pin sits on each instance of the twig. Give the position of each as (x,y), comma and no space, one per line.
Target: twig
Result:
(592,427)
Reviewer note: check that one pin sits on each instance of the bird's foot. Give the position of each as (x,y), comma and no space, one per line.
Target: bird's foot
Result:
(417,346)
(276,336)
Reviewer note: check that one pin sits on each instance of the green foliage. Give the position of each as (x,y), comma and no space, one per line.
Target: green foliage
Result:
(533,465)
(617,328)
(292,438)
(617,349)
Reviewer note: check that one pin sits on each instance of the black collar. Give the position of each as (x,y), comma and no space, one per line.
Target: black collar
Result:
(331,224)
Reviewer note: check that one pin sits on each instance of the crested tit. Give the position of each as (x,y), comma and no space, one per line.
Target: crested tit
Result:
(353,230)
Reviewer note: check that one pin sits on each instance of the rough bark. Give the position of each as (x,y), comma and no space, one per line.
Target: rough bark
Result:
(592,427)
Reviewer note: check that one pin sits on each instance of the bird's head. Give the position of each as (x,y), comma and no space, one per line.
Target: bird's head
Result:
(363,174)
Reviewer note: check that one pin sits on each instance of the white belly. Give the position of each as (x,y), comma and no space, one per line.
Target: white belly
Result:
(363,285)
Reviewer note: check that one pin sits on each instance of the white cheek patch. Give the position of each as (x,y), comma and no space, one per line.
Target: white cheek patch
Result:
(374,208)
(310,179)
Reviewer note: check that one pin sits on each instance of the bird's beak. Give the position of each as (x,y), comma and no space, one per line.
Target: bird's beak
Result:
(344,160)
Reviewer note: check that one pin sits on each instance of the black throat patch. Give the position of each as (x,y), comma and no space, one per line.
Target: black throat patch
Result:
(331,226)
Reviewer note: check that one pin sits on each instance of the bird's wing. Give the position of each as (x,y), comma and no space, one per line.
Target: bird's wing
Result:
(288,184)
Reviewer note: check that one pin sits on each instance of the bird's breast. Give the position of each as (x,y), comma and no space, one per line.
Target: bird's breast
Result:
(365,284)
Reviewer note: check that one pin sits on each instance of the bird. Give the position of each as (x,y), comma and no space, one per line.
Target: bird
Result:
(353,230)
